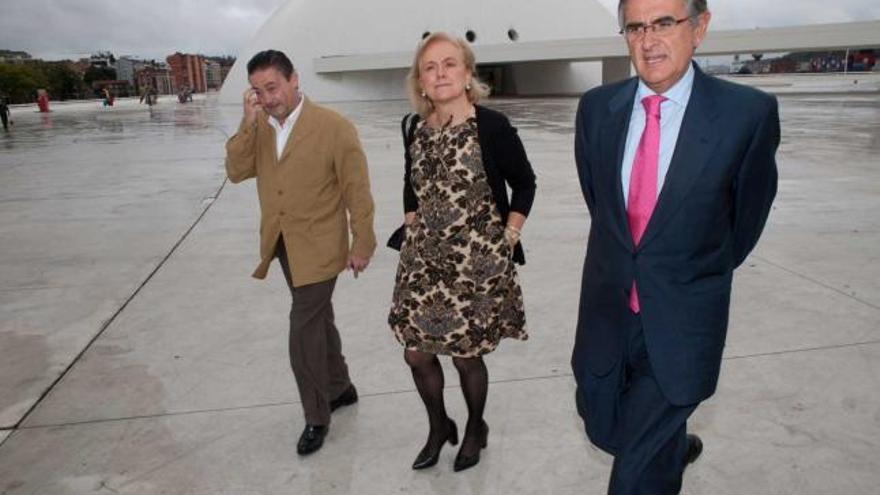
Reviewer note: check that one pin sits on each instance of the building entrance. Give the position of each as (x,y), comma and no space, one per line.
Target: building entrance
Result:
(499,78)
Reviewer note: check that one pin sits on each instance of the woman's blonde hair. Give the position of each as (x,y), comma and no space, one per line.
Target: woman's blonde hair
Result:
(421,104)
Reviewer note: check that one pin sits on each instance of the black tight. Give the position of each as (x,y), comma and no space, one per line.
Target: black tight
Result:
(428,376)
(474,379)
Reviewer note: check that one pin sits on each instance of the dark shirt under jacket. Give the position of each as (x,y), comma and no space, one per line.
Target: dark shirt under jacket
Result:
(505,163)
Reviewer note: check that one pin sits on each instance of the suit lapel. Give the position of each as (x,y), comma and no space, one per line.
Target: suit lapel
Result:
(614,142)
(696,140)
(267,139)
(305,125)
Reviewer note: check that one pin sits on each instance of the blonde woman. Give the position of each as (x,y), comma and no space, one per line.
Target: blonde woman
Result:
(456,291)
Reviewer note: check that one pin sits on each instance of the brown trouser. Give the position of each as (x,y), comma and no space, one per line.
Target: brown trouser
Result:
(315,347)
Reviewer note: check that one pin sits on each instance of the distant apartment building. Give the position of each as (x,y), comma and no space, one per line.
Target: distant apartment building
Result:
(224,71)
(14,57)
(102,59)
(154,75)
(213,74)
(187,71)
(216,70)
(126,69)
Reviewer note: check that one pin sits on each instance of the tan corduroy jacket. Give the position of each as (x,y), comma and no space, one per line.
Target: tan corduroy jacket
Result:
(311,195)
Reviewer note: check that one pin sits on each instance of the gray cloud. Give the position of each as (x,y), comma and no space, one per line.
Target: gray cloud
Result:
(55,29)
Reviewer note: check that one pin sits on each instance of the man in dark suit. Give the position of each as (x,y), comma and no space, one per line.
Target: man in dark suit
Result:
(678,171)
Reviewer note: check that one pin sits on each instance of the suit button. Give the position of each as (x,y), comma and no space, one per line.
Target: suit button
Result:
(280,192)
(635,256)
(281,214)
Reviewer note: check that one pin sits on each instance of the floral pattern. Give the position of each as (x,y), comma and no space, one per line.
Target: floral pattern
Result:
(456,291)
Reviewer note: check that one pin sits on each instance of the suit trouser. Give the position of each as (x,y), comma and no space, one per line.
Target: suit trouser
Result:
(5,119)
(315,346)
(634,422)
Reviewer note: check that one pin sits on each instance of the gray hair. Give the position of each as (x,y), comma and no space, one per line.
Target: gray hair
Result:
(694,8)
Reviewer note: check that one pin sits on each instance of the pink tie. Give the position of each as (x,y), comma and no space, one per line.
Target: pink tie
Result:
(643,180)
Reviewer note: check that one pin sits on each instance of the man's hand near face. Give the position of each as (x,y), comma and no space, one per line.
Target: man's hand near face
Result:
(252,106)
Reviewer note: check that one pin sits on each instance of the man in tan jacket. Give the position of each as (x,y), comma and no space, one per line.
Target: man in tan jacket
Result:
(313,185)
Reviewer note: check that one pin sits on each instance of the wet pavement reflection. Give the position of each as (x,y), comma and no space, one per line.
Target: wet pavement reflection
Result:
(844,121)
(123,212)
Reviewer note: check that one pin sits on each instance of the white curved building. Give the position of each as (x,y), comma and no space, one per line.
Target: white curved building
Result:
(358,50)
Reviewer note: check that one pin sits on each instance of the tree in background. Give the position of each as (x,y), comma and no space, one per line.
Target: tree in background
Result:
(98,74)
(64,82)
(21,81)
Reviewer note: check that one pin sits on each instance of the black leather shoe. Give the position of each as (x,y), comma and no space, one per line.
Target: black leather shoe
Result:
(428,456)
(311,440)
(347,398)
(463,462)
(695,448)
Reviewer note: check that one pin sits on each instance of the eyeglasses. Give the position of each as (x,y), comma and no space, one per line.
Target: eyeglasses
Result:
(661,27)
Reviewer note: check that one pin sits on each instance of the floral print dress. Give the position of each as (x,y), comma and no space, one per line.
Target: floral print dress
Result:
(456,291)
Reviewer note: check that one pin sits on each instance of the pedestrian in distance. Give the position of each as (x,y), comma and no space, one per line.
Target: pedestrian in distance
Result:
(5,113)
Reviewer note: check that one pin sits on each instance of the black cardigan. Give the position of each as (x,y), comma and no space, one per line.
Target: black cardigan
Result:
(505,163)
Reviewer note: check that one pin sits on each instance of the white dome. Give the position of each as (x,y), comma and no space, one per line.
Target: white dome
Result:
(306,30)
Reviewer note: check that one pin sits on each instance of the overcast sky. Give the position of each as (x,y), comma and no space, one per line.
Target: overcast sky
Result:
(57,29)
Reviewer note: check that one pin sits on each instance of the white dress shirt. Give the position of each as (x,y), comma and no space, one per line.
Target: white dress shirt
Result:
(671,116)
(283,129)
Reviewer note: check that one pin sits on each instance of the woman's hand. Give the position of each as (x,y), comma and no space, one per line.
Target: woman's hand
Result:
(512,235)
(513,230)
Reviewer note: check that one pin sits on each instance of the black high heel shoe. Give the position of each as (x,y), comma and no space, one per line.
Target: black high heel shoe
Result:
(428,457)
(463,462)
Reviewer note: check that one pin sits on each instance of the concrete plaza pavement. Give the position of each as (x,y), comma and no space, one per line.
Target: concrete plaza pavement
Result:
(137,356)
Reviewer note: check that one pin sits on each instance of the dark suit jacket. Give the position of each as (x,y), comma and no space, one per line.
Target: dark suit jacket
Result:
(709,215)
(505,163)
